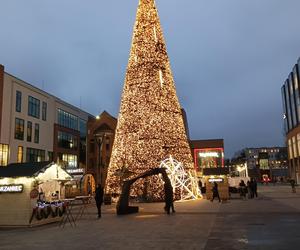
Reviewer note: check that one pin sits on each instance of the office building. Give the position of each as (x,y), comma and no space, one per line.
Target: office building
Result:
(291,119)
(36,126)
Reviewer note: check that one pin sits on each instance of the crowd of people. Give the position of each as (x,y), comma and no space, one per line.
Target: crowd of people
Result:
(250,189)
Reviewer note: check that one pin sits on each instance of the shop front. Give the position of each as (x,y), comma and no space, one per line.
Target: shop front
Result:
(32,193)
(220,177)
(208,158)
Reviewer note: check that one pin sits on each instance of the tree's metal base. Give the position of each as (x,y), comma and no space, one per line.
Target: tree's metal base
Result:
(127,210)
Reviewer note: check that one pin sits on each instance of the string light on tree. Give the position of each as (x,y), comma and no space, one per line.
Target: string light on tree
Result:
(150,124)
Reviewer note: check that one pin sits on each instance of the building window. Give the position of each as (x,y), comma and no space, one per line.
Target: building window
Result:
(70,160)
(83,142)
(66,140)
(67,120)
(295,151)
(20,154)
(107,144)
(29,131)
(288,105)
(33,107)
(19,129)
(35,155)
(209,158)
(293,100)
(18,101)
(50,156)
(92,147)
(290,149)
(297,95)
(44,111)
(82,129)
(3,154)
(298,143)
(36,133)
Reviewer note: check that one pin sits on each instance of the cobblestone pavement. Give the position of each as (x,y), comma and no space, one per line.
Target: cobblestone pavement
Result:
(272,221)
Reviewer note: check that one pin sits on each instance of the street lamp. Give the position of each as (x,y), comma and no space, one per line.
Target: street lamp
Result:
(100,136)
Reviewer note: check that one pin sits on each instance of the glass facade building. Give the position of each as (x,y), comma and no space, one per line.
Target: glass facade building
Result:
(291,119)
(37,126)
(291,100)
(67,120)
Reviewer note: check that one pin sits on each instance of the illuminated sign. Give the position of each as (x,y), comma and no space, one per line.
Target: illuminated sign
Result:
(209,154)
(18,188)
(211,180)
(75,171)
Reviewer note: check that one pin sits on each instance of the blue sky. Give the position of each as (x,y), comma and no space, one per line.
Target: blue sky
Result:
(229,58)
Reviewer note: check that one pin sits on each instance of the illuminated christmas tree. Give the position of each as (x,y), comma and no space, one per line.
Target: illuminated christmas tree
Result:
(150,124)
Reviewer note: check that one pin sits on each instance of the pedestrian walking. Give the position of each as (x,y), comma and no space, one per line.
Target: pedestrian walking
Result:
(293,185)
(249,191)
(254,187)
(99,199)
(215,192)
(243,189)
(169,197)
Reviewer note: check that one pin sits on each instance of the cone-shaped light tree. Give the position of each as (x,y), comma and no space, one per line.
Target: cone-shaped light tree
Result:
(150,123)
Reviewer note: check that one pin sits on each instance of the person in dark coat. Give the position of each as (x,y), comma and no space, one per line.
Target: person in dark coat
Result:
(293,185)
(250,189)
(254,187)
(215,192)
(99,198)
(169,197)
(243,189)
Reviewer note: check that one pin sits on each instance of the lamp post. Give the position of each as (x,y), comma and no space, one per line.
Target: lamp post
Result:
(100,136)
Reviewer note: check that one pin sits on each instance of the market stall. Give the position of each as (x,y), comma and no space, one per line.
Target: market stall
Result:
(219,176)
(222,183)
(32,193)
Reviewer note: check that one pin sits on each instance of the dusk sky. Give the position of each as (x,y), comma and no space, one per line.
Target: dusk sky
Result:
(229,58)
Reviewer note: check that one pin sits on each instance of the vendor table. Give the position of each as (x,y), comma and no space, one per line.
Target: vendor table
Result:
(83,206)
(68,216)
(71,215)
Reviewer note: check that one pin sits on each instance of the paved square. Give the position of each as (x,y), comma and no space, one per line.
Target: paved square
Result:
(270,222)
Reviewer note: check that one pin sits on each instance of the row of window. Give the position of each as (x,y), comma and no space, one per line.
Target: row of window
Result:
(291,99)
(66,140)
(67,120)
(33,106)
(3,154)
(255,151)
(32,155)
(20,130)
(70,160)
(294,146)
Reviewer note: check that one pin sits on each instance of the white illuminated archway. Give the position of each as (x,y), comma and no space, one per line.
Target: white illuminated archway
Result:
(185,182)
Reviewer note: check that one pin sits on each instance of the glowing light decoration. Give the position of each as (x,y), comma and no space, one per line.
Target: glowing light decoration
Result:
(11,188)
(161,79)
(150,123)
(209,154)
(182,182)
